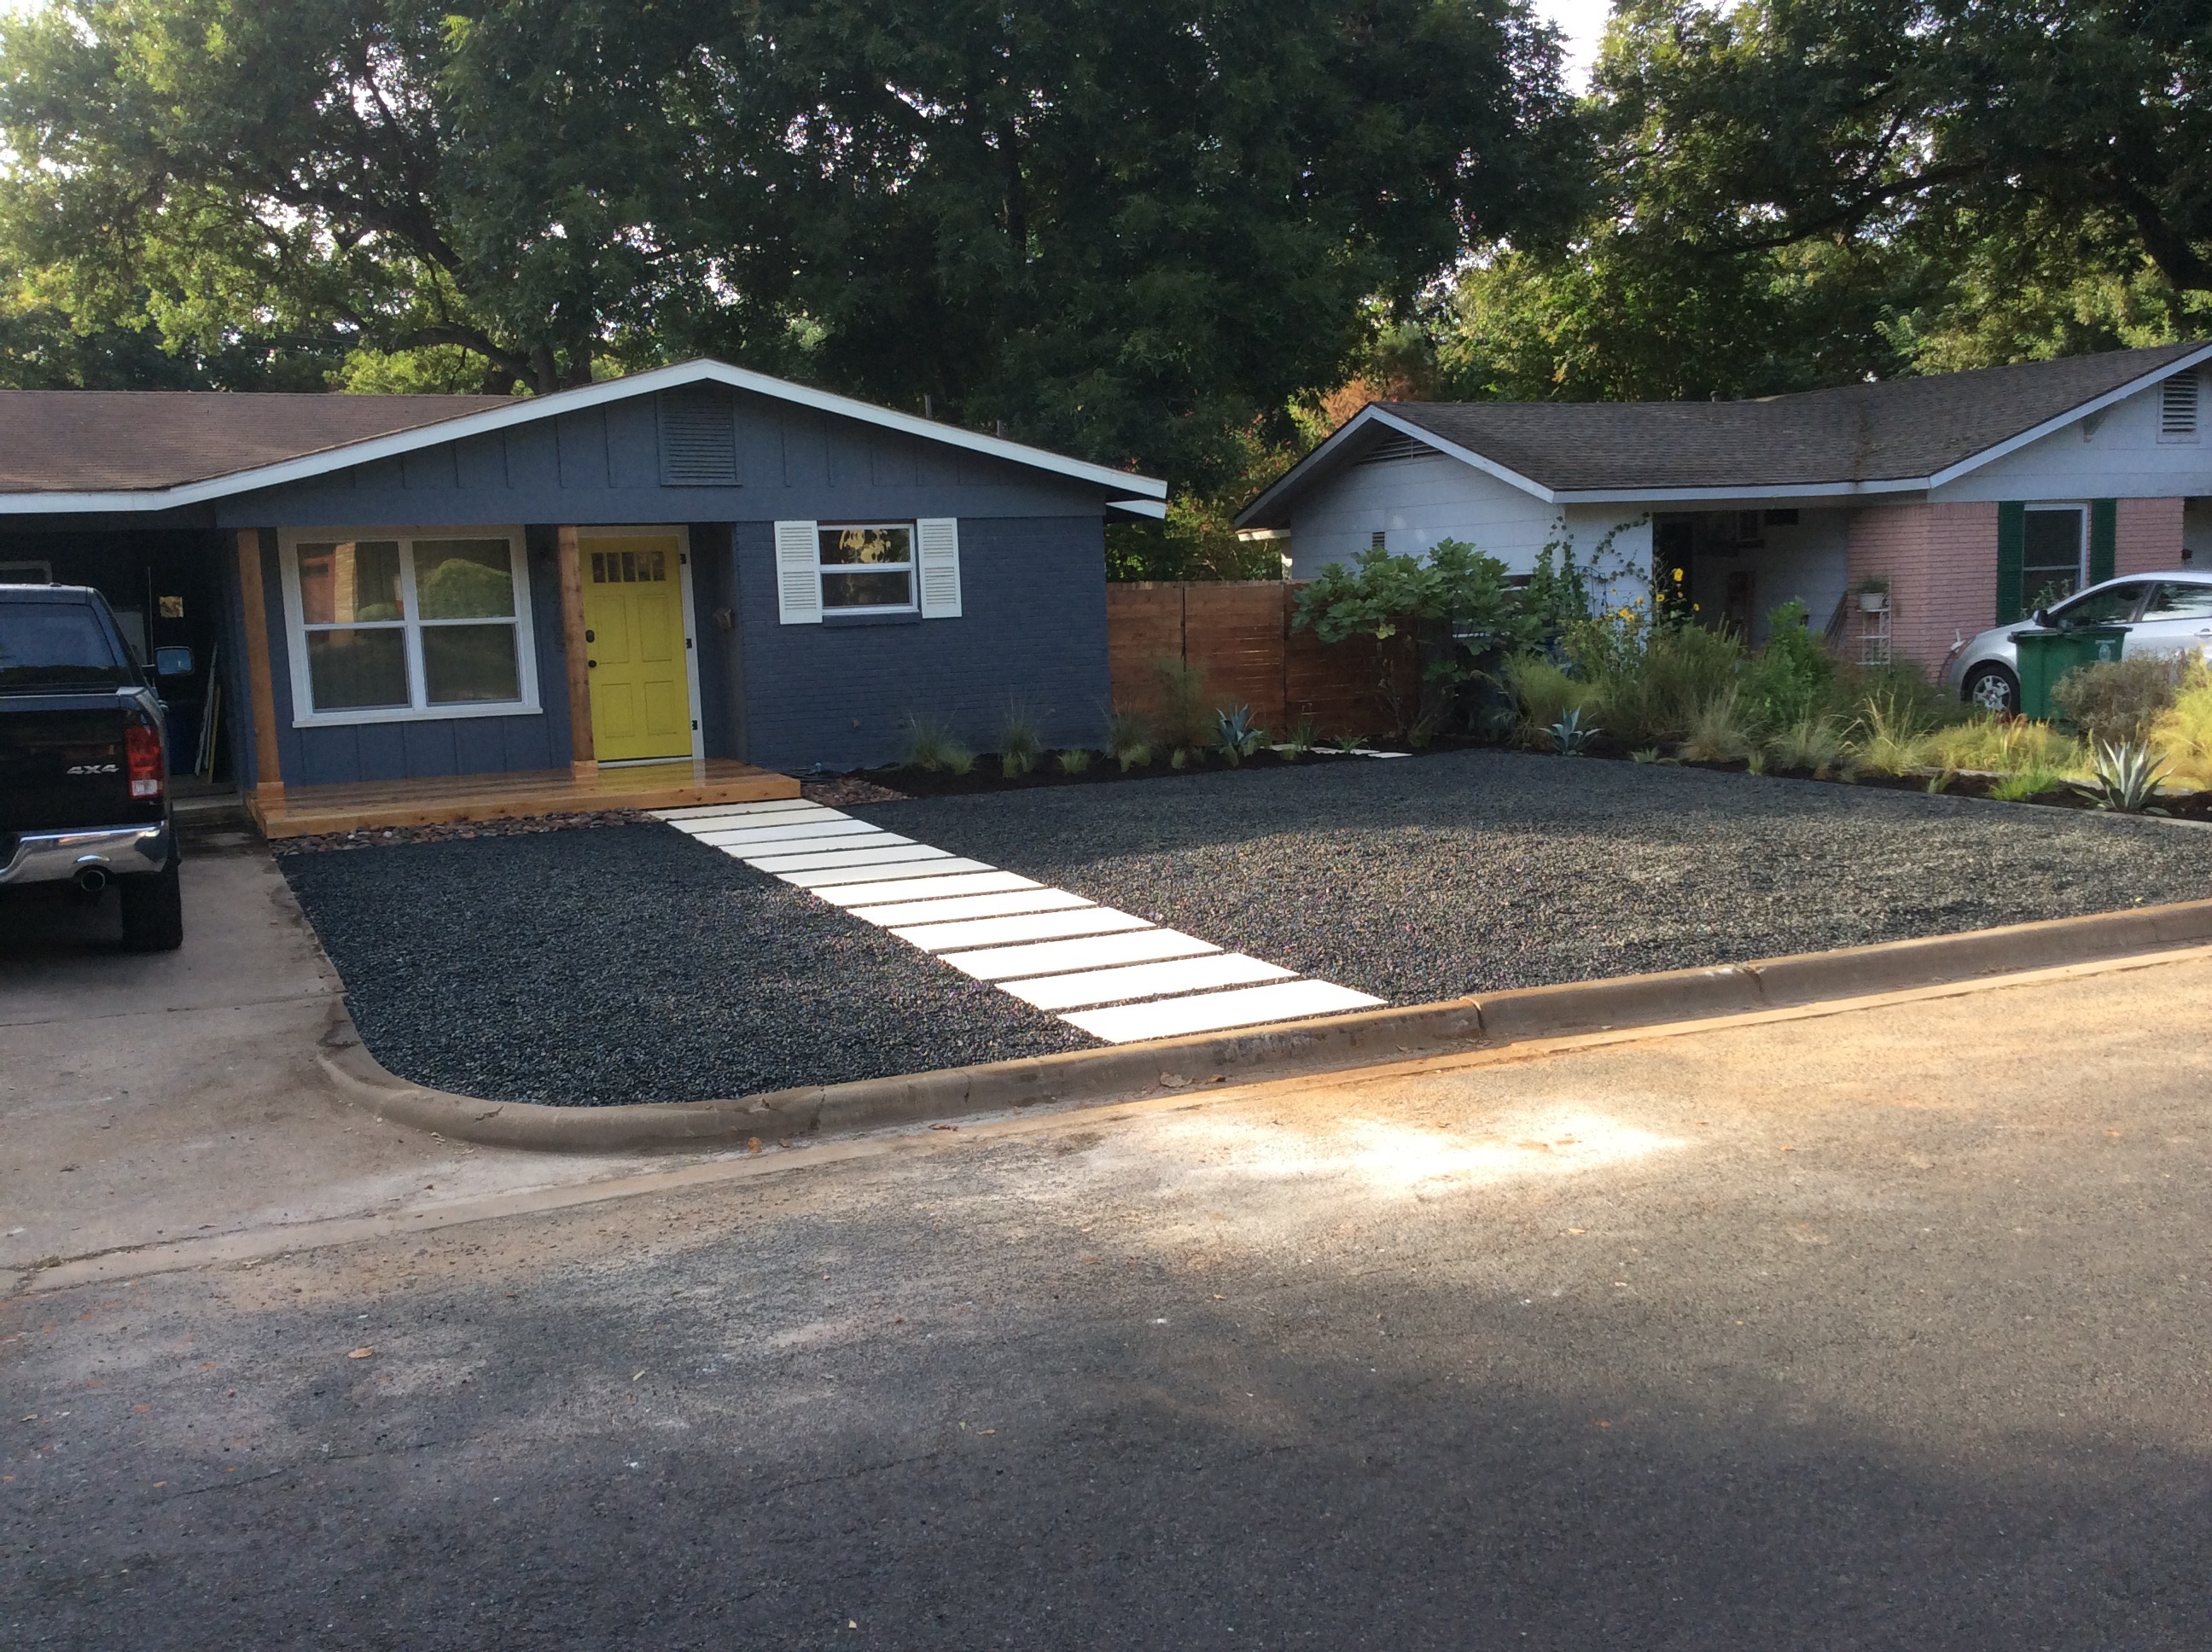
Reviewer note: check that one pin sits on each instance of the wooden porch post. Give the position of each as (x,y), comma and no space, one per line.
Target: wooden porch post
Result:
(268,765)
(582,763)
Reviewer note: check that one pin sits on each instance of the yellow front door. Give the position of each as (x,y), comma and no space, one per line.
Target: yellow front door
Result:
(634,637)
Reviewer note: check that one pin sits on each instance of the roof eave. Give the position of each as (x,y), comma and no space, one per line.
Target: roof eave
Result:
(528,410)
(1323,462)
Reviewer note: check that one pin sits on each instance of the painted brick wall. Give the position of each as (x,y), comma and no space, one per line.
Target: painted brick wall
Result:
(2147,536)
(1942,564)
(1033,628)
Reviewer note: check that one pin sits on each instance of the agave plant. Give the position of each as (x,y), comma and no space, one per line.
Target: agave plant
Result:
(2128,778)
(1571,738)
(1235,735)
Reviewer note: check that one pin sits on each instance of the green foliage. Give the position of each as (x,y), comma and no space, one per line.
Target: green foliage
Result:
(2118,701)
(1128,742)
(1790,678)
(1074,761)
(1570,737)
(1133,230)
(1233,732)
(932,746)
(1556,597)
(1893,734)
(1184,720)
(2183,734)
(1719,731)
(1304,736)
(2127,780)
(2026,783)
(1545,693)
(1385,596)
(1020,743)
(1813,745)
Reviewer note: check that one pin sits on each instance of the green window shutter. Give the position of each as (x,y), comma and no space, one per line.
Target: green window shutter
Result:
(2104,537)
(2012,546)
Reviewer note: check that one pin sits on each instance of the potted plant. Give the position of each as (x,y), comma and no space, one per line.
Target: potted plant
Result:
(1873,595)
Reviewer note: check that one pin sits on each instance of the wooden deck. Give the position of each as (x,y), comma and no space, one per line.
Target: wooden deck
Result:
(303,810)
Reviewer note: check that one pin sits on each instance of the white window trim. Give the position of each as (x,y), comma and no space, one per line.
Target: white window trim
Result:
(2082,562)
(913,566)
(295,629)
(647,531)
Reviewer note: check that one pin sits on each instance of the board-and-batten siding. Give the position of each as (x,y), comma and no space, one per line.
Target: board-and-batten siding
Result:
(1038,637)
(601,466)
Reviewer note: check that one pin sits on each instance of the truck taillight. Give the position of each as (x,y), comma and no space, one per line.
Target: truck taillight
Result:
(142,754)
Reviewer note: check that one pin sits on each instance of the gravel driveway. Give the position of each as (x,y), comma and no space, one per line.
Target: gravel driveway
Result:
(1430,878)
(629,963)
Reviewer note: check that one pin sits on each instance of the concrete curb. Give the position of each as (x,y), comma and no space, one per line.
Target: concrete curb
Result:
(1129,1072)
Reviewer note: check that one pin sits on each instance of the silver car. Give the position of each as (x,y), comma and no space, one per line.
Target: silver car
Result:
(2170,613)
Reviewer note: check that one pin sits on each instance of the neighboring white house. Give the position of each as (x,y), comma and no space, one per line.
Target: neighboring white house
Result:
(1967,493)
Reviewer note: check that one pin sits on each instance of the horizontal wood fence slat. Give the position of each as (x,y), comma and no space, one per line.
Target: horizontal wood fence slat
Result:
(1238,632)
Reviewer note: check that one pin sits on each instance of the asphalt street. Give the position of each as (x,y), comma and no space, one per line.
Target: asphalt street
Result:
(1881,1329)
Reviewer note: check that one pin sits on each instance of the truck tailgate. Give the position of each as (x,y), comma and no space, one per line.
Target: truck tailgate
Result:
(62,762)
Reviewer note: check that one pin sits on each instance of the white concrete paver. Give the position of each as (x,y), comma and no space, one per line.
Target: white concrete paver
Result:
(1119,977)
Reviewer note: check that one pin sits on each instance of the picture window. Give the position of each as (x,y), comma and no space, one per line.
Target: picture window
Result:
(408,624)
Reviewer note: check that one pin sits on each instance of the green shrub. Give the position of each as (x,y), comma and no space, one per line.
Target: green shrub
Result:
(1893,734)
(1546,693)
(1127,740)
(2183,733)
(2118,701)
(1020,744)
(1184,720)
(1790,679)
(1304,736)
(1813,743)
(2007,745)
(1719,733)
(1074,761)
(2023,784)
(1657,693)
(930,745)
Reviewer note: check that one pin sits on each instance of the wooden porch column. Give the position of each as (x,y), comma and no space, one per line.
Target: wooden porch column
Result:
(268,766)
(582,763)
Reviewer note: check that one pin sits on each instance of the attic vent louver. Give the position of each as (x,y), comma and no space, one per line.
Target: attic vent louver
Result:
(2177,408)
(1397,448)
(698,440)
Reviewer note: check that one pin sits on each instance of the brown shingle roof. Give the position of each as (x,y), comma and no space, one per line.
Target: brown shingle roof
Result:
(98,440)
(1899,429)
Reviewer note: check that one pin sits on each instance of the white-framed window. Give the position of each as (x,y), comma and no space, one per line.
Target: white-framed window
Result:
(866,568)
(396,624)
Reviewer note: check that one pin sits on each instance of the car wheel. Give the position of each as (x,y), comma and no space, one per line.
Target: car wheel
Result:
(1993,689)
(153,910)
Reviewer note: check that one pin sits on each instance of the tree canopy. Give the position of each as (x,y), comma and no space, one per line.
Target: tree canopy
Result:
(1134,228)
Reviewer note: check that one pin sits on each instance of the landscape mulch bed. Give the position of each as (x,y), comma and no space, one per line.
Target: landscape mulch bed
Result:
(1474,871)
(629,963)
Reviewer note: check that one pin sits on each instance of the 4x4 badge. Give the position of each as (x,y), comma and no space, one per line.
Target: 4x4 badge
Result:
(92,768)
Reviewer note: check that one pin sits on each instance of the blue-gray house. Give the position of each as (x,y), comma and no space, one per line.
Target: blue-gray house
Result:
(695,564)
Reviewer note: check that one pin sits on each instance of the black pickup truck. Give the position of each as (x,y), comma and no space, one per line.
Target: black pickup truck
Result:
(83,762)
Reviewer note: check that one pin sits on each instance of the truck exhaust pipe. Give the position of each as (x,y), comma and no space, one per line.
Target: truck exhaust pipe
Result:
(92,879)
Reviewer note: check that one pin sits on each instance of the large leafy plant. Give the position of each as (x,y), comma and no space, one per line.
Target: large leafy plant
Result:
(1445,610)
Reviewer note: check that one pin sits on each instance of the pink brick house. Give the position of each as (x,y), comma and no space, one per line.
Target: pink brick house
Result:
(1965,496)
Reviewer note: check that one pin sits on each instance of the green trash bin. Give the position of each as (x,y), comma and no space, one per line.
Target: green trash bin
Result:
(2047,653)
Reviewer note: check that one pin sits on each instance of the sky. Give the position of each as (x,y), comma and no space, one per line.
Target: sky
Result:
(1582,22)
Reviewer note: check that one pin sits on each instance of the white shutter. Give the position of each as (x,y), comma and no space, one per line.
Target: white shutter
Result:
(797,573)
(937,566)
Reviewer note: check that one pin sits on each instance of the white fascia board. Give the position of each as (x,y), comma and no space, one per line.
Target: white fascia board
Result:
(1653,497)
(1316,466)
(529,409)
(2013,444)
(1155,509)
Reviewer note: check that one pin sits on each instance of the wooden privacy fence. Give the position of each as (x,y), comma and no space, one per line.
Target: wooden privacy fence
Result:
(1238,632)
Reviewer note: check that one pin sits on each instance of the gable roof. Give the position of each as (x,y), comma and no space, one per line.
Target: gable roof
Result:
(1896,435)
(66,450)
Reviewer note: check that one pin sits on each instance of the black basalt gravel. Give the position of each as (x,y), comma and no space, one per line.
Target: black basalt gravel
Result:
(1429,877)
(629,963)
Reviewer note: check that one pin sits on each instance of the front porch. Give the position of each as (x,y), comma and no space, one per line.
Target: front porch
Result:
(300,810)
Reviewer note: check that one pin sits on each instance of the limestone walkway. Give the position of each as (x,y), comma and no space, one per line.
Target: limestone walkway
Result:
(1113,975)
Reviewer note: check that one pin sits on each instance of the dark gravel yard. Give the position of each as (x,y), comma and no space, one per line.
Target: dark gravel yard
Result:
(629,963)
(1433,877)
